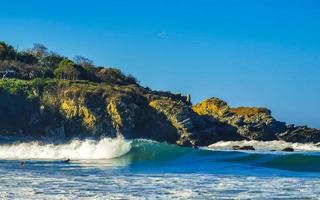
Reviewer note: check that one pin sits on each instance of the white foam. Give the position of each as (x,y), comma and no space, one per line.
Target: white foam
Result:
(148,186)
(105,148)
(265,145)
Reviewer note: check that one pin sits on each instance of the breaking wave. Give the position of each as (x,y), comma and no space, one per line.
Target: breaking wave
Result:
(76,149)
(306,158)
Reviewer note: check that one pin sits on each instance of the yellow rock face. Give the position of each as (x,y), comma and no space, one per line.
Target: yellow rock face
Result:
(72,110)
(154,104)
(211,107)
(88,118)
(114,114)
(69,108)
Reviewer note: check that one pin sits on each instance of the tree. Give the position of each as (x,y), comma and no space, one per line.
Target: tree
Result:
(84,62)
(110,75)
(131,79)
(86,68)
(52,60)
(7,52)
(39,50)
(27,57)
(67,70)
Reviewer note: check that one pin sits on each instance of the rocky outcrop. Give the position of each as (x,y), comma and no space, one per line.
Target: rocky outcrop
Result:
(180,116)
(68,109)
(251,123)
(83,109)
(288,149)
(300,134)
(255,123)
(193,129)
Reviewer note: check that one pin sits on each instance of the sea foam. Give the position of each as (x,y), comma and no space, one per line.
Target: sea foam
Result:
(105,148)
(264,145)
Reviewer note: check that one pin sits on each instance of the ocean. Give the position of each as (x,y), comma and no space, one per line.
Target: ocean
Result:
(143,169)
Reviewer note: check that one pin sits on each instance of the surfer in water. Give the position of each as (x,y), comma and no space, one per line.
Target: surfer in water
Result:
(21,163)
(67,160)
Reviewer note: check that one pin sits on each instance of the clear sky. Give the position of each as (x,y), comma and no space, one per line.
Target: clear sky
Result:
(247,52)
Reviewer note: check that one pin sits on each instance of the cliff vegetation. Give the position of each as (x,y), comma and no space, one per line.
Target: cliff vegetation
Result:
(44,94)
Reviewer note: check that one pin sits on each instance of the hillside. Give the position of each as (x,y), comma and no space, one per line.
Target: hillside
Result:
(63,99)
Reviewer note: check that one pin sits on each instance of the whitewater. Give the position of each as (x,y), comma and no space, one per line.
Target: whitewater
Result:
(144,169)
(105,148)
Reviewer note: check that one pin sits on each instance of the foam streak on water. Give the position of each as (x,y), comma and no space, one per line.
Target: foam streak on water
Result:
(76,149)
(156,186)
(265,145)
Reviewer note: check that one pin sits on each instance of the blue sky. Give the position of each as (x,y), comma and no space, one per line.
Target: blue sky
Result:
(247,52)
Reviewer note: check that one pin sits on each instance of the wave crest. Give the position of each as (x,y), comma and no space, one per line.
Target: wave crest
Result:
(105,148)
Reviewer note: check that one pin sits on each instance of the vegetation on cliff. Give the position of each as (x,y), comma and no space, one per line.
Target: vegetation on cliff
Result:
(43,94)
(67,108)
(38,62)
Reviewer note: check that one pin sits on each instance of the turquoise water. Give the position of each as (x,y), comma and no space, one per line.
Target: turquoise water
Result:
(142,169)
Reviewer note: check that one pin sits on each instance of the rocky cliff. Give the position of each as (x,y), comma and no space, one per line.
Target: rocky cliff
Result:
(68,109)
(255,123)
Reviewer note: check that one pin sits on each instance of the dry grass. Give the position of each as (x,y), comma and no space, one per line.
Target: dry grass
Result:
(249,111)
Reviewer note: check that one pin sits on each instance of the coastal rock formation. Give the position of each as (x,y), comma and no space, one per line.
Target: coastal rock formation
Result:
(193,130)
(179,115)
(45,95)
(67,109)
(251,123)
(300,134)
(255,123)
(56,108)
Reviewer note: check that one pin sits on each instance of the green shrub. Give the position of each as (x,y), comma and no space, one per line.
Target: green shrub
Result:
(67,70)
(38,62)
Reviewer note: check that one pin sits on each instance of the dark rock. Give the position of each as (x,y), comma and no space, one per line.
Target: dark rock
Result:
(251,148)
(193,130)
(236,147)
(300,134)
(247,148)
(288,149)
